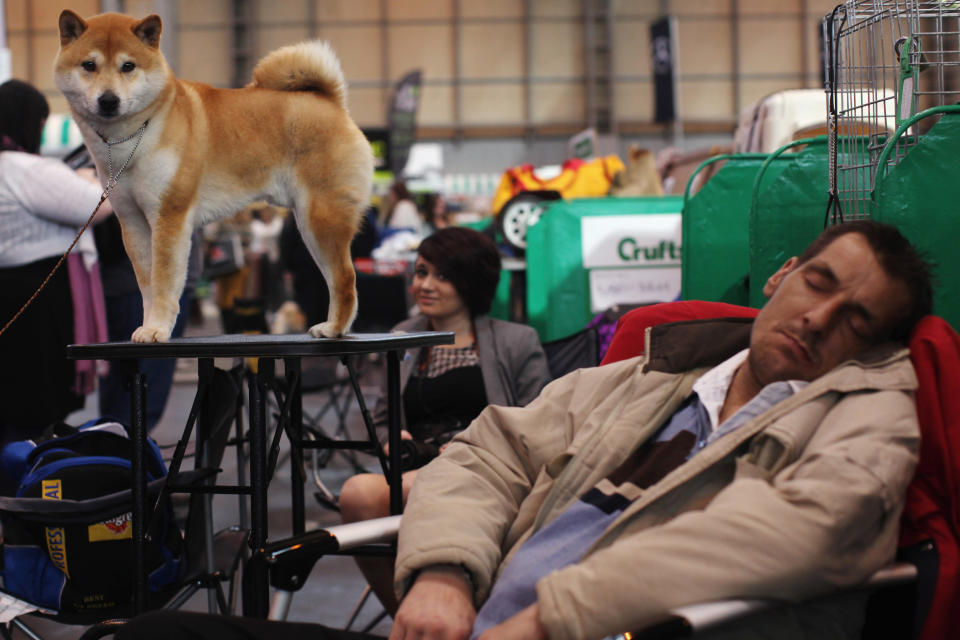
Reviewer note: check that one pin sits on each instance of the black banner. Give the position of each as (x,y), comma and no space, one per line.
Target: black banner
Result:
(663,52)
(380,145)
(402,120)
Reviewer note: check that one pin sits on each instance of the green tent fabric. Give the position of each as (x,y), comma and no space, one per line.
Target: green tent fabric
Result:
(921,197)
(716,230)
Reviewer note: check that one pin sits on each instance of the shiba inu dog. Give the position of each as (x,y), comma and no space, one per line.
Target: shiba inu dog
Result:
(175,154)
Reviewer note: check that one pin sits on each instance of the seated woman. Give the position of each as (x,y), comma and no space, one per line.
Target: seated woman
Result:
(444,388)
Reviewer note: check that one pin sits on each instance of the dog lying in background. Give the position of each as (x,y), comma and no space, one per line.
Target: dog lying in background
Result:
(180,154)
(289,318)
(640,178)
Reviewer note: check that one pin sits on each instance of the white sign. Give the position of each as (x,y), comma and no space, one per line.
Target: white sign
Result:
(651,239)
(609,287)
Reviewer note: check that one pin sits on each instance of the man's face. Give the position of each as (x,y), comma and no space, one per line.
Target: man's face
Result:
(824,311)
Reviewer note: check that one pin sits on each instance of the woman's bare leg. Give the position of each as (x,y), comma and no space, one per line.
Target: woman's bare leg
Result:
(366,496)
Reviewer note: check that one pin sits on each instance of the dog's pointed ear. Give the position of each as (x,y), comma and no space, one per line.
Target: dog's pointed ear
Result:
(71,27)
(148,30)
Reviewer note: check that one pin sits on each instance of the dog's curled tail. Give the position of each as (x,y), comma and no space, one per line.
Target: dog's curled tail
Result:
(307,66)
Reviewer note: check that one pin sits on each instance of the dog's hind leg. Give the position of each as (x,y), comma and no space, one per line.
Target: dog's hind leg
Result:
(327,229)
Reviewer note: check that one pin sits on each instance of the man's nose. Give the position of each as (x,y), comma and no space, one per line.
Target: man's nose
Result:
(822,315)
(108,102)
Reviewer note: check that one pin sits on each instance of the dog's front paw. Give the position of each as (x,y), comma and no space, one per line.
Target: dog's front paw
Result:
(325,330)
(151,334)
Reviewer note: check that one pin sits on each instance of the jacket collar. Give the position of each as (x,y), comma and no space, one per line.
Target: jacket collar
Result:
(681,346)
(678,347)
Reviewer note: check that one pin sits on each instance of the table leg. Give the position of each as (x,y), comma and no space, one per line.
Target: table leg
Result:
(138,509)
(208,417)
(393,431)
(258,498)
(291,367)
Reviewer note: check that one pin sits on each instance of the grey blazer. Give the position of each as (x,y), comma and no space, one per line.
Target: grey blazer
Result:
(512,363)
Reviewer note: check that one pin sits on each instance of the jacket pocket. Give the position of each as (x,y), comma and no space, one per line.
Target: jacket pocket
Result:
(766,456)
(748,470)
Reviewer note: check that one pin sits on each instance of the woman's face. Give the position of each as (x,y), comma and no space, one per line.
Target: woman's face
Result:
(435,295)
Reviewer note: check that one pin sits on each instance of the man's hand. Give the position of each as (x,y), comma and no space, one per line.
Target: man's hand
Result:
(522,626)
(439,606)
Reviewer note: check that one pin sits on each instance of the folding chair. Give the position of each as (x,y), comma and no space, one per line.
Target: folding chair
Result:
(327,378)
(209,560)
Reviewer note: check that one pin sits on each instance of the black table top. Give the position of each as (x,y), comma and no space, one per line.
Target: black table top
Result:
(260,345)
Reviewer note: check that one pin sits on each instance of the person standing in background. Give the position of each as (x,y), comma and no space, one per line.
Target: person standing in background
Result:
(402,212)
(43,205)
(124,306)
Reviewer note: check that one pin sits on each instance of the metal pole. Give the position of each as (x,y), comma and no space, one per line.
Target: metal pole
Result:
(527,71)
(393,431)
(208,418)
(258,606)
(170,41)
(3,24)
(735,54)
(457,72)
(295,435)
(138,482)
(5,64)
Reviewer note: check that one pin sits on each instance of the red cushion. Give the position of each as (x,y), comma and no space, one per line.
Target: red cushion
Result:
(933,498)
(628,341)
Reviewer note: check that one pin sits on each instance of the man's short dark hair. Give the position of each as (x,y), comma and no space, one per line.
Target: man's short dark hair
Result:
(469,260)
(899,259)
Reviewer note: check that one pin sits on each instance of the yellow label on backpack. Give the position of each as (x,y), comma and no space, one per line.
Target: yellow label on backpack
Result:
(56,537)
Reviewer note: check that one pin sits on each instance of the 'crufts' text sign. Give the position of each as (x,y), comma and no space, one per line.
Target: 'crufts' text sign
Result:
(632,259)
(651,239)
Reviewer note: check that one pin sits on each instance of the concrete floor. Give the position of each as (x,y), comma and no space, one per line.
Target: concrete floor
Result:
(335,585)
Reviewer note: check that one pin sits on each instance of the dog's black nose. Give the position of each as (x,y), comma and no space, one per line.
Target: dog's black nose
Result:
(108,103)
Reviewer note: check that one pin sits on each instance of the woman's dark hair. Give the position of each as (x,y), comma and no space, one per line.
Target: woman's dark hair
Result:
(23,111)
(469,260)
(898,258)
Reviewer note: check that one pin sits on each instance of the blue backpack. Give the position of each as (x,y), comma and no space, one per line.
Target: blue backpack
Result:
(68,533)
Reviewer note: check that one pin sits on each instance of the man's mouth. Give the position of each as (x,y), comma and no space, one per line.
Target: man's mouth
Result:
(798,346)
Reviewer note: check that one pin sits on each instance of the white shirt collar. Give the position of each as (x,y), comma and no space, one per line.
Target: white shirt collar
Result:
(712,386)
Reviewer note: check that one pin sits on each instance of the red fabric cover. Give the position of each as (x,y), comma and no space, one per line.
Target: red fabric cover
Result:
(628,341)
(933,498)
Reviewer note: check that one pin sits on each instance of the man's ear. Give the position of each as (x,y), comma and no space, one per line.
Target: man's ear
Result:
(774,281)
(148,30)
(71,27)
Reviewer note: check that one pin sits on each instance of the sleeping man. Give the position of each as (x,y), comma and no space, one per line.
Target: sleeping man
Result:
(738,459)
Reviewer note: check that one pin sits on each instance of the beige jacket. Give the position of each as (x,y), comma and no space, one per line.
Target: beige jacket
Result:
(801,500)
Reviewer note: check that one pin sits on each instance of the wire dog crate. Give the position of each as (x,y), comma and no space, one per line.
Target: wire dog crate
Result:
(885,61)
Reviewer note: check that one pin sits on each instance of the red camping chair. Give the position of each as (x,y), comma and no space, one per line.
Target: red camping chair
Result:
(932,511)
(629,339)
(933,498)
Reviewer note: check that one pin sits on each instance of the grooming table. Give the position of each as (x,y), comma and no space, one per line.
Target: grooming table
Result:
(267,349)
